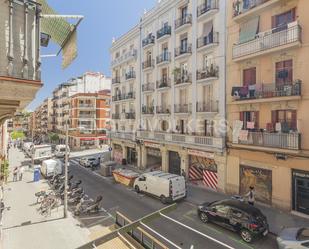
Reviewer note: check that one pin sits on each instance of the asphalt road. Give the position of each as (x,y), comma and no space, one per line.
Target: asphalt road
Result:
(120,198)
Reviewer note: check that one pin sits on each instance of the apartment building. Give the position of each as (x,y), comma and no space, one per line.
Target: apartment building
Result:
(89,82)
(89,119)
(43,118)
(168,91)
(20,76)
(267,96)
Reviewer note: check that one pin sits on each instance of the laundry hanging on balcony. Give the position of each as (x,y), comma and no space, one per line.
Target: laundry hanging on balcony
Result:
(61,32)
(248,30)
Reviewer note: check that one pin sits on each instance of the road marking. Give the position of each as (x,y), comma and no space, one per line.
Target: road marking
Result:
(240,241)
(161,236)
(196,231)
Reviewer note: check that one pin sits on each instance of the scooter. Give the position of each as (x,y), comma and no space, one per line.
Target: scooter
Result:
(76,198)
(84,207)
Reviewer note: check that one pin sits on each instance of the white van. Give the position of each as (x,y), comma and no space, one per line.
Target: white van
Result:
(27,148)
(51,167)
(60,150)
(168,187)
(41,152)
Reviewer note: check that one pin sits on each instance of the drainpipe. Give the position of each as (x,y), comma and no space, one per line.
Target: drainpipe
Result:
(38,43)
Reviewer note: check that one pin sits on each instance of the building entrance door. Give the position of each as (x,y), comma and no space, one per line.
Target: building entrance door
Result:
(174,163)
(301,192)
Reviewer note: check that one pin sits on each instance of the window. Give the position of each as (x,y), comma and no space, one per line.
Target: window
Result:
(249,76)
(207,61)
(283,19)
(184,43)
(209,128)
(222,210)
(284,72)
(184,12)
(250,120)
(286,118)
(305,244)
(303,235)
(235,213)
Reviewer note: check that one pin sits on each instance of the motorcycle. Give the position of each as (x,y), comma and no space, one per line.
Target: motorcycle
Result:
(87,207)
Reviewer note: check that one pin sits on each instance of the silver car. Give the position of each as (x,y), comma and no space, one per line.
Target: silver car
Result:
(294,238)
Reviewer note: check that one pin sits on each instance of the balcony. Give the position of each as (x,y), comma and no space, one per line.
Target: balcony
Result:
(164,32)
(207,8)
(265,91)
(116,116)
(147,110)
(86,106)
(116,80)
(85,116)
(289,141)
(164,57)
(182,79)
(208,73)
(210,40)
(183,108)
(164,109)
(247,8)
(149,87)
(128,56)
(214,143)
(163,83)
(183,22)
(130,115)
(207,106)
(183,50)
(148,41)
(148,64)
(277,39)
(130,75)
(119,97)
(123,135)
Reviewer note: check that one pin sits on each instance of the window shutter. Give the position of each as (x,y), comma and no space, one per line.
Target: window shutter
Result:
(273,22)
(241,117)
(274,118)
(293,14)
(257,122)
(294,120)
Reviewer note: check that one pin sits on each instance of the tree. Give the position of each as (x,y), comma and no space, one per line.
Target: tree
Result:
(17,135)
(54,137)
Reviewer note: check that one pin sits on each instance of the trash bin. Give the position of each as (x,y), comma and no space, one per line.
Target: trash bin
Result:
(36,175)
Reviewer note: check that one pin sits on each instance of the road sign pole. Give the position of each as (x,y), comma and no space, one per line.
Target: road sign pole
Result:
(65,209)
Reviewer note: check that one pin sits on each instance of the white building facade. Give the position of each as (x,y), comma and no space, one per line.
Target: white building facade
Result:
(174,117)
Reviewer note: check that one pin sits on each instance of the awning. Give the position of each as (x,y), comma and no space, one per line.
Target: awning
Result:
(61,32)
(249,29)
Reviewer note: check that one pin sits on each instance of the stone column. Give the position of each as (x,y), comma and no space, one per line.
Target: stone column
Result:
(165,164)
(143,157)
(221,166)
(184,162)
(124,152)
(10,55)
(139,156)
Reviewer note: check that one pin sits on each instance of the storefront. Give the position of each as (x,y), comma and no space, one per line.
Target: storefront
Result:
(154,157)
(174,163)
(87,143)
(117,152)
(132,156)
(103,141)
(203,169)
(260,179)
(300,194)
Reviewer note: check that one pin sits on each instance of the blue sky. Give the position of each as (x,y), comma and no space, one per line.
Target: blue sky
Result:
(104,19)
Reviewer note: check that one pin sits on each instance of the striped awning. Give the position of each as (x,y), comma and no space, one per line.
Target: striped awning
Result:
(61,32)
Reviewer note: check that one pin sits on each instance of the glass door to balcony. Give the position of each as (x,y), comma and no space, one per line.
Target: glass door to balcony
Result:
(279,22)
(284,73)
(183,44)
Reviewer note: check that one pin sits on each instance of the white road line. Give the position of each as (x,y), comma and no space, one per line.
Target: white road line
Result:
(196,231)
(161,236)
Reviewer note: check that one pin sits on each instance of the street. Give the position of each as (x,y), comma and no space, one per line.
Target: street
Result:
(125,200)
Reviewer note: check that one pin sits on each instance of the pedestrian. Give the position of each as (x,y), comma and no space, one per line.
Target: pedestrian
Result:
(15,172)
(21,172)
(251,196)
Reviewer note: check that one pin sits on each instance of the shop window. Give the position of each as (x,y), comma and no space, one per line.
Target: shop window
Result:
(284,120)
(250,120)
(284,72)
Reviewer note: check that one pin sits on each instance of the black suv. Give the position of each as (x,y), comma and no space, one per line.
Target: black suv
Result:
(237,216)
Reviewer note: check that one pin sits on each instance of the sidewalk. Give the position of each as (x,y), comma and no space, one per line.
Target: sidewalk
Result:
(277,219)
(23,227)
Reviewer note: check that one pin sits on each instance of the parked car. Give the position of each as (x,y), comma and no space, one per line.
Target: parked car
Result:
(60,150)
(237,216)
(90,161)
(293,238)
(168,187)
